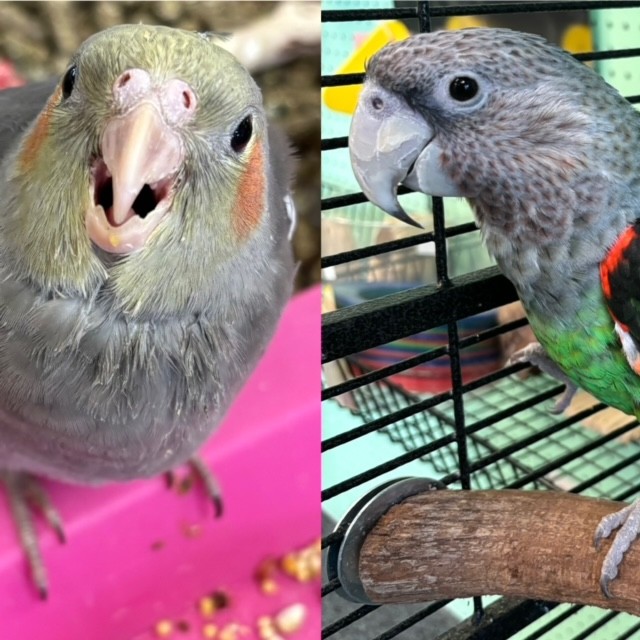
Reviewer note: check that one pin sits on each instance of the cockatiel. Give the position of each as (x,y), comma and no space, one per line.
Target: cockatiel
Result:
(145,258)
(546,153)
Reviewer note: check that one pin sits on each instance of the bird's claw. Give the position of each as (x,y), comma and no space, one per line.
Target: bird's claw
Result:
(209,482)
(535,355)
(565,399)
(25,496)
(628,519)
(201,473)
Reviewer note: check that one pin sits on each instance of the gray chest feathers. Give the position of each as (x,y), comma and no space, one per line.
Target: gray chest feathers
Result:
(96,381)
(553,259)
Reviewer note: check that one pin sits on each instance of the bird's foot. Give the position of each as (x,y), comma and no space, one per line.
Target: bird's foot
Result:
(535,355)
(26,496)
(205,476)
(628,519)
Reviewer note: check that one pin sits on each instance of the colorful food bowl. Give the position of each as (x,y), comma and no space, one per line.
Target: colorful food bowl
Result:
(434,376)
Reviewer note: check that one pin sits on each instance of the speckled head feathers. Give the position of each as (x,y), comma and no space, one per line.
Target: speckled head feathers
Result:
(539,117)
(543,148)
(505,56)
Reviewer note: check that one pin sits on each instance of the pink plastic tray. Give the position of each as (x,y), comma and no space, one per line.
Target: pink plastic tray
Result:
(141,553)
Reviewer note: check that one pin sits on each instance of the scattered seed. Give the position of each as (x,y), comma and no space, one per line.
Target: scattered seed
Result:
(164,628)
(266,568)
(291,618)
(265,621)
(265,575)
(183,626)
(267,629)
(207,606)
(209,630)
(269,586)
(305,564)
(233,631)
(220,599)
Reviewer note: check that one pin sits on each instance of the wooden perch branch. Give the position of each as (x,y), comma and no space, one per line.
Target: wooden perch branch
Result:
(531,544)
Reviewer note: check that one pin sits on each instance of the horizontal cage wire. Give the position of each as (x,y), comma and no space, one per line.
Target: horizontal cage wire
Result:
(415,330)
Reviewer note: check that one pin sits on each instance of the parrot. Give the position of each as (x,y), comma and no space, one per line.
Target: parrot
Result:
(146,217)
(546,153)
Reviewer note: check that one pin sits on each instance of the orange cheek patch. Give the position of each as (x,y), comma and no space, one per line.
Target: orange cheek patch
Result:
(35,139)
(250,197)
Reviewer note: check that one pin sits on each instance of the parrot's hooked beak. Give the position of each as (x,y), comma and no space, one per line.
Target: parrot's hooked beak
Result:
(134,179)
(391,144)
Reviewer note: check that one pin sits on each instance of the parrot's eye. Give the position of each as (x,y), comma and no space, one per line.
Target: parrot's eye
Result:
(242,135)
(463,88)
(69,81)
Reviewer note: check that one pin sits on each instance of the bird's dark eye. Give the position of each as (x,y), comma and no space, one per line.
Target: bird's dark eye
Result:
(242,135)
(69,81)
(463,88)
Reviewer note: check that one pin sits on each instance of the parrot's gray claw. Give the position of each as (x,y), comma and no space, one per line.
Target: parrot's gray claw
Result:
(535,355)
(208,480)
(628,519)
(565,399)
(26,495)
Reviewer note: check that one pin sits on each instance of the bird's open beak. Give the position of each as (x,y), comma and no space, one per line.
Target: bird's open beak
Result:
(138,149)
(133,180)
(391,144)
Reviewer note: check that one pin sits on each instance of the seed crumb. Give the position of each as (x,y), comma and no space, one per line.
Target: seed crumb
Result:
(291,618)
(207,606)
(163,628)
(233,631)
(209,630)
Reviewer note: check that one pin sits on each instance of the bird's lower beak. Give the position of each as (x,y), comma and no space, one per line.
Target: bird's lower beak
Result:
(391,144)
(134,178)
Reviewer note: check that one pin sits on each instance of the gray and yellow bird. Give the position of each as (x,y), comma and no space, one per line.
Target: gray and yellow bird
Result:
(145,258)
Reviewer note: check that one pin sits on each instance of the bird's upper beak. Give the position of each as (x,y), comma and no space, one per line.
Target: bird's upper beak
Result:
(391,144)
(141,152)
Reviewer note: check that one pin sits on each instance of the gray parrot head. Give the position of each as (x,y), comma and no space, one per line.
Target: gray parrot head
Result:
(499,117)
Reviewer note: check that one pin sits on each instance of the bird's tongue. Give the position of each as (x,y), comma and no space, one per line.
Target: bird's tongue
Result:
(145,202)
(117,223)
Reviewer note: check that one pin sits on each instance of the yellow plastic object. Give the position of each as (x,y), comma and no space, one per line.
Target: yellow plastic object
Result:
(345,99)
(465,22)
(578,38)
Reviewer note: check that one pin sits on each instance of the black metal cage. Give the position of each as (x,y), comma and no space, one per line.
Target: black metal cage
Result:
(403,391)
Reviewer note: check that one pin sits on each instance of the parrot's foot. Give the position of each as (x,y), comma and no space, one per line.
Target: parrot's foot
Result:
(628,519)
(535,354)
(202,473)
(26,496)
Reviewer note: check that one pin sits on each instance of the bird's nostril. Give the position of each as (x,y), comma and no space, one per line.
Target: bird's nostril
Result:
(124,79)
(130,86)
(186,99)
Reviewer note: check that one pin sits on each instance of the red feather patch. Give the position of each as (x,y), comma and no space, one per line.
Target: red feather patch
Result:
(250,199)
(620,277)
(35,139)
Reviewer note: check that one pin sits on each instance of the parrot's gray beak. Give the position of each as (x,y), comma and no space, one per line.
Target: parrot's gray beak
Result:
(391,144)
